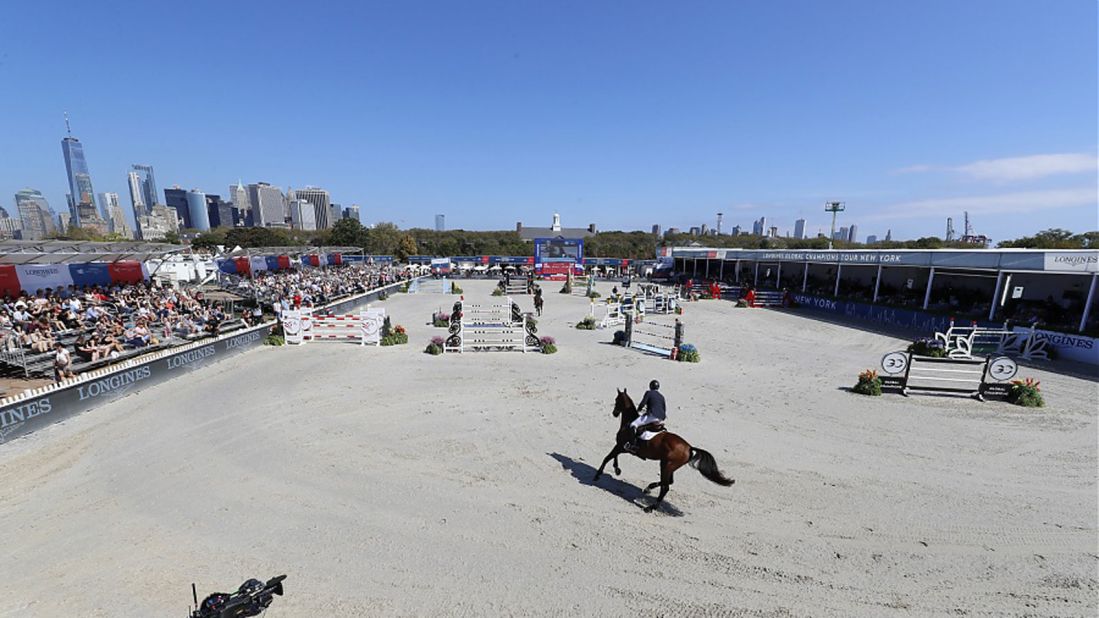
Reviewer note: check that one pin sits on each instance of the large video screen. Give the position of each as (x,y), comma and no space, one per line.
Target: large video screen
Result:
(558,249)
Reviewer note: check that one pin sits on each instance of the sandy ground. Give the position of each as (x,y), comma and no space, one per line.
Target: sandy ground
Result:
(389,482)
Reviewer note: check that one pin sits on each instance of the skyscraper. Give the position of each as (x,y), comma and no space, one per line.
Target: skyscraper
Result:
(871,239)
(321,201)
(888,235)
(268,209)
(853,233)
(440,223)
(116,220)
(238,195)
(303,215)
(656,229)
(197,211)
(176,199)
(147,185)
(35,214)
(799,228)
(759,228)
(10,227)
(352,212)
(80,181)
(335,213)
(840,234)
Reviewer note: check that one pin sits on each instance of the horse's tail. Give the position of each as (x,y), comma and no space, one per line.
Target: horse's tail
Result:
(704,463)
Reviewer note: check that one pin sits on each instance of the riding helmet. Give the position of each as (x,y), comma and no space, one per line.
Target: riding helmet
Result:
(654,385)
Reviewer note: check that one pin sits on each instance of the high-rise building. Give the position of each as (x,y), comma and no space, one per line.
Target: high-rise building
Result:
(335,213)
(840,234)
(871,239)
(695,231)
(176,199)
(221,213)
(321,201)
(268,209)
(35,215)
(198,212)
(352,212)
(147,185)
(303,215)
(238,195)
(853,233)
(80,181)
(656,229)
(704,229)
(10,227)
(440,223)
(116,219)
(759,227)
(799,228)
(888,235)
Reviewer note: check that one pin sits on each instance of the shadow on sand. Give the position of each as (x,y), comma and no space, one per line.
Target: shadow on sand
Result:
(583,474)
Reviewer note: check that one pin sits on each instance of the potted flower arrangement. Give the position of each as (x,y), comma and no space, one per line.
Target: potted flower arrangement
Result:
(434,348)
(869,383)
(1026,393)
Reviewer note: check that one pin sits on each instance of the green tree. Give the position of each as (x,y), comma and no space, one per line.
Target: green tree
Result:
(349,233)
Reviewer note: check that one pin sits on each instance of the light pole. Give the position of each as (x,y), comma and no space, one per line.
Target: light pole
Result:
(833,207)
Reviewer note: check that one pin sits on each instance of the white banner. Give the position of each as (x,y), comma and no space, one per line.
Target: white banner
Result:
(258,263)
(34,277)
(1072,261)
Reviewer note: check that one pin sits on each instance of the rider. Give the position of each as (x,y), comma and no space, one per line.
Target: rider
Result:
(651,410)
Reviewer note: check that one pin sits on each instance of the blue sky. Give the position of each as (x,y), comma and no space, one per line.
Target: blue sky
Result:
(622,114)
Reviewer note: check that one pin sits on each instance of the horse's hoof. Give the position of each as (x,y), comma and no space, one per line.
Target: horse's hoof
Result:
(649,509)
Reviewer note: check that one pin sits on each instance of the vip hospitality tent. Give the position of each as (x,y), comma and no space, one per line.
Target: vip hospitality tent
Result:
(40,265)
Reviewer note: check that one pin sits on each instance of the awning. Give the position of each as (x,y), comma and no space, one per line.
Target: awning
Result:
(78,252)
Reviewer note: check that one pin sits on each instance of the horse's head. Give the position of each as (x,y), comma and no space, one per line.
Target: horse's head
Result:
(623,404)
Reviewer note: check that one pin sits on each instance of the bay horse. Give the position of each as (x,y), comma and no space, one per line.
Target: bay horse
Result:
(672,451)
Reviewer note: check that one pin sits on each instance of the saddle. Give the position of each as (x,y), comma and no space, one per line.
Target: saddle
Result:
(651,427)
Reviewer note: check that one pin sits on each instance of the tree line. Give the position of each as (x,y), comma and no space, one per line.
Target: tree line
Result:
(388,239)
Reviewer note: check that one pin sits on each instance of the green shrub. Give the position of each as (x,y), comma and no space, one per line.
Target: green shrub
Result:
(869,383)
(1026,393)
(275,340)
(549,345)
(498,292)
(404,288)
(383,295)
(688,353)
(588,323)
(594,294)
(454,289)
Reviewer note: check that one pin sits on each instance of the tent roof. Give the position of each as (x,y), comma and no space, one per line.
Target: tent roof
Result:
(69,252)
(299,250)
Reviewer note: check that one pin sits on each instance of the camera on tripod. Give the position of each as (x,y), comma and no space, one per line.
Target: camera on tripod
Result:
(251,599)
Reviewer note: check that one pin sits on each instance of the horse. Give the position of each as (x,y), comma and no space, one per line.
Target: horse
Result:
(672,451)
(538,301)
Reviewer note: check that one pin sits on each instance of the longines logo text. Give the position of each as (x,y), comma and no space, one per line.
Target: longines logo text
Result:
(181,360)
(114,382)
(22,412)
(236,342)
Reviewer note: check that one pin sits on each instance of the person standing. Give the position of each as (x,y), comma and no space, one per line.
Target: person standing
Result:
(62,363)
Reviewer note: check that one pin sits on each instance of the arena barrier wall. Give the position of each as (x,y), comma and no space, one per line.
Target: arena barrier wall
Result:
(36,408)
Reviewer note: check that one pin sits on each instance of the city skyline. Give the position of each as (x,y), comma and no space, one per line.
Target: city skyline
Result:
(717,108)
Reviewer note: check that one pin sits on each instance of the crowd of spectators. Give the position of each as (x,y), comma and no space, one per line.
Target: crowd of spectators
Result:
(86,325)
(316,286)
(77,328)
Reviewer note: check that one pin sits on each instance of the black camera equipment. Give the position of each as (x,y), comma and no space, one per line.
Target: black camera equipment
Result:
(251,599)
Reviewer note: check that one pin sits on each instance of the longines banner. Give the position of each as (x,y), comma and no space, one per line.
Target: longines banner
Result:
(35,412)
